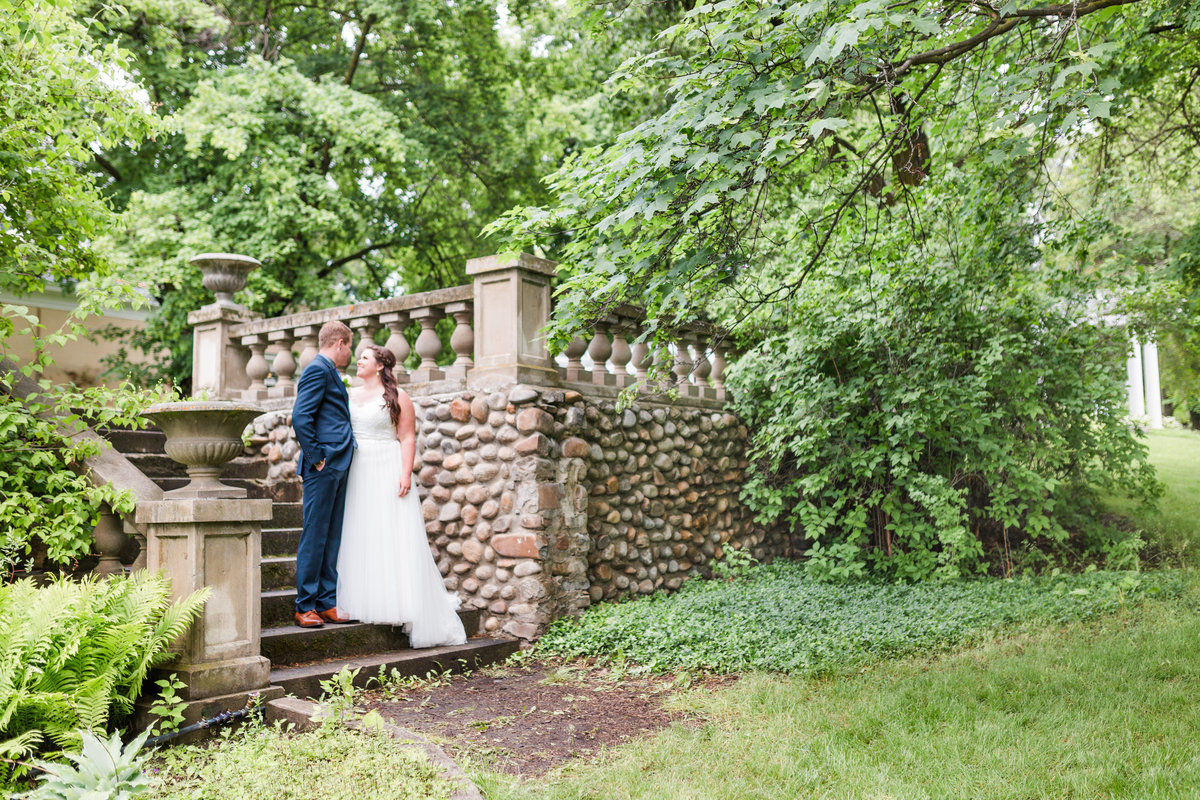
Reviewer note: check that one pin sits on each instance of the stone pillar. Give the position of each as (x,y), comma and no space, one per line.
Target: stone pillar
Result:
(1153,391)
(200,542)
(1137,394)
(219,364)
(512,305)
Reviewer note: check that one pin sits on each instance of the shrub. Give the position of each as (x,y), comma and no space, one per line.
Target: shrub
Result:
(45,493)
(74,654)
(912,421)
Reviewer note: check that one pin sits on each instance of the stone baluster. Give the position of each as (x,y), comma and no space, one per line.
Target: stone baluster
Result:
(307,336)
(429,345)
(703,368)
(396,323)
(462,341)
(663,364)
(683,366)
(718,372)
(575,370)
(643,359)
(257,367)
(364,328)
(600,349)
(621,355)
(284,365)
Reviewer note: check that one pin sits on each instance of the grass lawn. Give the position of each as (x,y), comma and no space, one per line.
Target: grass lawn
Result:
(1100,709)
(1095,708)
(1172,532)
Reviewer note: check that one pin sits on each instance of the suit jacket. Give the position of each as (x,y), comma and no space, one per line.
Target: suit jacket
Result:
(321,417)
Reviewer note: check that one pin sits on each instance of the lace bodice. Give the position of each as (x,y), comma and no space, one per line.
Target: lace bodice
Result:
(371,422)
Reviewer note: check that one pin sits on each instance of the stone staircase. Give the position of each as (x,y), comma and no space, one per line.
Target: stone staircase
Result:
(303,657)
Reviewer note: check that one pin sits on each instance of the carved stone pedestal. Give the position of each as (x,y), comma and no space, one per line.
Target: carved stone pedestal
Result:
(216,543)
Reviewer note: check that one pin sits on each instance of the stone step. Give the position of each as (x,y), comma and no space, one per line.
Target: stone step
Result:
(278,606)
(151,440)
(246,467)
(280,541)
(290,645)
(286,515)
(157,465)
(304,681)
(278,572)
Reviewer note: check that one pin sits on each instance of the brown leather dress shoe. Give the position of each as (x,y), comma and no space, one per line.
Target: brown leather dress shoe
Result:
(308,619)
(334,615)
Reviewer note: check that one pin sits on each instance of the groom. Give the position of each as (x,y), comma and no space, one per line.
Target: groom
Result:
(321,419)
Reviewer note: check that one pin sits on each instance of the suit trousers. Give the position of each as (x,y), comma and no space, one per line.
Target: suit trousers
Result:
(324,502)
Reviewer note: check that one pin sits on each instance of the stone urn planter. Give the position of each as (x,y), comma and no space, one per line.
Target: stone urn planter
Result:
(224,274)
(203,435)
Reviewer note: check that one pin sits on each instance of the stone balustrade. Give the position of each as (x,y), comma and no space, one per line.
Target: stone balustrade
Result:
(496,341)
(292,340)
(694,366)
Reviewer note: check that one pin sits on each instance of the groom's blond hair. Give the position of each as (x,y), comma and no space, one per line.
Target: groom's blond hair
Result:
(331,333)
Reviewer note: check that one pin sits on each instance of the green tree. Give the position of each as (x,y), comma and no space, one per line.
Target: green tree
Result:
(823,111)
(869,196)
(944,407)
(62,94)
(356,149)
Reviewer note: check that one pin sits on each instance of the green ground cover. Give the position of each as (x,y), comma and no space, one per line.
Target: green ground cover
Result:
(775,619)
(1103,708)
(1172,531)
(330,763)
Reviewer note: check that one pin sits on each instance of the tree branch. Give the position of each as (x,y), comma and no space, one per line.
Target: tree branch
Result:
(348,78)
(997,27)
(355,256)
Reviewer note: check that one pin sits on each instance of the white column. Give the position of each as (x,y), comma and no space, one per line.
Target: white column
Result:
(1137,390)
(1153,390)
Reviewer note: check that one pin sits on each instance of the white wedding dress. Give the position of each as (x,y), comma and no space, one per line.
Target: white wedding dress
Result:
(386,573)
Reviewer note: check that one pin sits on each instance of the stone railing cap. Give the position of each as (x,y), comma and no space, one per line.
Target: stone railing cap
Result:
(484,264)
(370,308)
(228,257)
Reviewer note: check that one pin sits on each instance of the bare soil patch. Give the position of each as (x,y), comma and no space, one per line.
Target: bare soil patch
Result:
(527,720)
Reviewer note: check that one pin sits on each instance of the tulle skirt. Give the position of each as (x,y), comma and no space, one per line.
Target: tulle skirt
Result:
(386,573)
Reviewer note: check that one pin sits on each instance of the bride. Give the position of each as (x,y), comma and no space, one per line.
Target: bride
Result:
(386,573)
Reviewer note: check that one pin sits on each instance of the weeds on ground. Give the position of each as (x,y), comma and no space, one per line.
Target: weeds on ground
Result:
(331,762)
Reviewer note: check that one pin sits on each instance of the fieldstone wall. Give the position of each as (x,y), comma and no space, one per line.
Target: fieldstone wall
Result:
(539,502)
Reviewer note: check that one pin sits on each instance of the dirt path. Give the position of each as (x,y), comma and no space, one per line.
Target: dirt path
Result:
(527,720)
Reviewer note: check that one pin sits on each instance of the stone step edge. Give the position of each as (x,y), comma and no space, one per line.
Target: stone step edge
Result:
(304,681)
(472,618)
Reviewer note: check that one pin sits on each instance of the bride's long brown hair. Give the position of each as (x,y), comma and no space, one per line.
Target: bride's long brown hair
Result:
(391,391)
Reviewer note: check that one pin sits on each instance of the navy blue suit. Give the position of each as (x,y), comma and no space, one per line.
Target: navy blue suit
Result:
(321,420)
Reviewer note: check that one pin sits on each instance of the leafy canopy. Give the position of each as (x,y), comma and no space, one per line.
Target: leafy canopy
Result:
(819,111)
